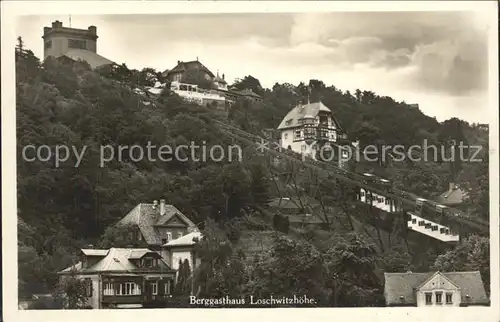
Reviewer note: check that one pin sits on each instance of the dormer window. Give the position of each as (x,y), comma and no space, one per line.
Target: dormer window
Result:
(288,122)
(149,262)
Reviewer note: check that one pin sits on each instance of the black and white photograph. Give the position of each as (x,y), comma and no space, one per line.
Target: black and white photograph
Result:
(160,157)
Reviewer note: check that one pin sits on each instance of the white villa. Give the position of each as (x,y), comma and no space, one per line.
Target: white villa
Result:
(307,128)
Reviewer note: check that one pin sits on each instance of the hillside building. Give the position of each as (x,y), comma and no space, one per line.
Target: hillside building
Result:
(182,69)
(435,289)
(72,43)
(184,74)
(133,277)
(312,130)
(122,277)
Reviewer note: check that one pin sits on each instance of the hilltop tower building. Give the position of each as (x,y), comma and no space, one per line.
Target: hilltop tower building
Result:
(76,44)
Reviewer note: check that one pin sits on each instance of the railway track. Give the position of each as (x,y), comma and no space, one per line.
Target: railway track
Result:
(351,178)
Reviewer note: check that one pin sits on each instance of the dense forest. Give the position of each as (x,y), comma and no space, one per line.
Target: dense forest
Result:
(64,208)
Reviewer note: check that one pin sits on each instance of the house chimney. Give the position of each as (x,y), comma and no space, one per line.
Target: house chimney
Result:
(57,24)
(451,186)
(223,77)
(162,207)
(155,204)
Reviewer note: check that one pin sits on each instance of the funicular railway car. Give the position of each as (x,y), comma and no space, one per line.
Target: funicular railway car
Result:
(429,220)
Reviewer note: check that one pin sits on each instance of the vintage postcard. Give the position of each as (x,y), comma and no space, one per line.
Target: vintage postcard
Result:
(250,160)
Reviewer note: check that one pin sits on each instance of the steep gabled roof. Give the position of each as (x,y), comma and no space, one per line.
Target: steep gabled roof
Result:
(184,66)
(405,284)
(300,111)
(147,217)
(170,212)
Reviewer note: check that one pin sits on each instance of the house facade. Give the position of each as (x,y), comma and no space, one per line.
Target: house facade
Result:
(435,289)
(72,43)
(219,93)
(159,225)
(312,130)
(122,277)
(134,277)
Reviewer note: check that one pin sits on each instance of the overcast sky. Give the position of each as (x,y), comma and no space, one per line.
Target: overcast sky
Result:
(436,59)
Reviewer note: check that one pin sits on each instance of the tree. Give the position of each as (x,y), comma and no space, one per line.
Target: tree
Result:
(72,291)
(20,44)
(183,285)
(221,271)
(249,82)
(316,87)
(291,267)
(351,272)
(471,254)
(235,184)
(281,223)
(259,184)
(121,236)
(476,182)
